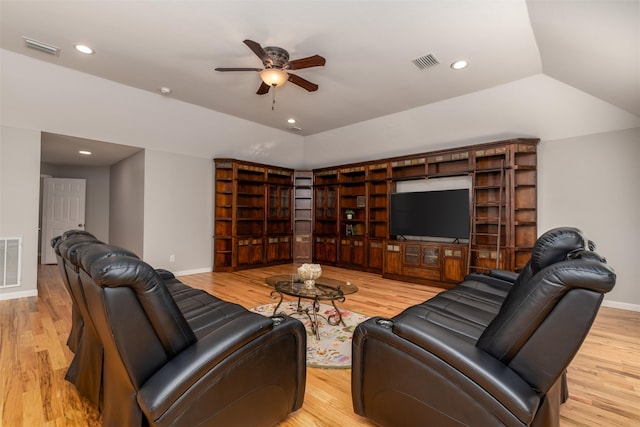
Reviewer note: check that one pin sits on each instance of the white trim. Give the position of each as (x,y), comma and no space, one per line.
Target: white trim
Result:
(621,305)
(20,294)
(194,271)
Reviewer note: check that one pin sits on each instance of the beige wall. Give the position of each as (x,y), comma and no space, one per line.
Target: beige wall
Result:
(178,214)
(19,201)
(126,209)
(591,182)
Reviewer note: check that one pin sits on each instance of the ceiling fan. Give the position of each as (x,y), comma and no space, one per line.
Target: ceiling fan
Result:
(276,66)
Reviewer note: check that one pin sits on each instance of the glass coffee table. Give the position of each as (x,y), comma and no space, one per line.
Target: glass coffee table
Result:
(326,289)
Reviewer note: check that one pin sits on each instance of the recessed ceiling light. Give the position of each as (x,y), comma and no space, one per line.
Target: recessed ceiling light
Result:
(84,49)
(291,120)
(85,152)
(165,90)
(459,65)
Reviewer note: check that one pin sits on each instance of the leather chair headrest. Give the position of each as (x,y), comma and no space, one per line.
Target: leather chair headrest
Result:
(88,255)
(554,246)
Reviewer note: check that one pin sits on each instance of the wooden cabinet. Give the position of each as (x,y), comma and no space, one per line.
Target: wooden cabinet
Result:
(252,217)
(352,252)
(325,249)
(425,262)
(378,201)
(278,249)
(374,255)
(278,234)
(421,261)
(250,252)
(504,205)
(524,203)
(352,223)
(392,259)
(453,267)
(223,216)
(325,200)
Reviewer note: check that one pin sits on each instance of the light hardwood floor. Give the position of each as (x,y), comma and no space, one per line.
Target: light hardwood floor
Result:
(604,378)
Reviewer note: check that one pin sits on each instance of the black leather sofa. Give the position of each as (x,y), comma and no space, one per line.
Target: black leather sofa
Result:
(491,351)
(150,350)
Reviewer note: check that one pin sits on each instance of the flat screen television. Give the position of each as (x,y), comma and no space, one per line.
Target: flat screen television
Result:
(443,214)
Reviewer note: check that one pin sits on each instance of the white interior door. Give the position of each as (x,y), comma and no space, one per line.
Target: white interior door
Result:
(63,205)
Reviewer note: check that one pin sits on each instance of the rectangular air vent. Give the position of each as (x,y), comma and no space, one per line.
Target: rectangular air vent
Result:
(425,62)
(42,47)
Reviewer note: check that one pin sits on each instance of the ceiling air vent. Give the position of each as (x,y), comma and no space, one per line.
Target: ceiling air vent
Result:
(425,62)
(42,47)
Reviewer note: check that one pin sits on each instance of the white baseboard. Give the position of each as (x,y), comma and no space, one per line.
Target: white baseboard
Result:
(621,305)
(18,294)
(195,271)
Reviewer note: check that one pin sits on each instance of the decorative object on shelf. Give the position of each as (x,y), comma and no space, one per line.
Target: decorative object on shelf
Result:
(309,273)
(349,213)
(333,349)
(349,230)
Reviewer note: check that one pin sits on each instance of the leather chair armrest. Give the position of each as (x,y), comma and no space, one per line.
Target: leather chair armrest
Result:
(165,274)
(179,374)
(502,283)
(505,275)
(463,356)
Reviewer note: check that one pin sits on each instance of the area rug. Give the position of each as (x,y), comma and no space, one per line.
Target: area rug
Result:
(333,350)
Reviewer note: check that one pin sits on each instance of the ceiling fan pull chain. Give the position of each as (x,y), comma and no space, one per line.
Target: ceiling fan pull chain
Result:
(273,99)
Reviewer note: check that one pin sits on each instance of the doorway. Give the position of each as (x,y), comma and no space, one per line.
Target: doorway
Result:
(63,208)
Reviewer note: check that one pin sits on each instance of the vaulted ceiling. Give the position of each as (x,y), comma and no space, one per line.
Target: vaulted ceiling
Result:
(591,45)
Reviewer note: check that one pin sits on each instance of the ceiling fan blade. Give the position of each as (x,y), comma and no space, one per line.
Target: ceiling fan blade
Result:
(238,69)
(263,89)
(259,51)
(311,61)
(303,83)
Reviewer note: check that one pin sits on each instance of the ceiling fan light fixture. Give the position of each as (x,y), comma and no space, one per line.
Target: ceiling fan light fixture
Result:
(274,76)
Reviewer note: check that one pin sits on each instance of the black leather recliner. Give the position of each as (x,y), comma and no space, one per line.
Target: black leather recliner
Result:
(77,322)
(493,350)
(173,355)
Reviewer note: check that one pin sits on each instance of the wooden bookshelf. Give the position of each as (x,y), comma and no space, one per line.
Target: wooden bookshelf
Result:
(252,217)
(267,214)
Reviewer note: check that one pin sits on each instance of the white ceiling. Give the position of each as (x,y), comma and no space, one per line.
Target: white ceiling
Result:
(65,150)
(592,45)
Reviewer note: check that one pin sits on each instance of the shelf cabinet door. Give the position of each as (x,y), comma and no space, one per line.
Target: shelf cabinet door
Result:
(352,252)
(325,250)
(393,259)
(302,248)
(375,254)
(250,251)
(453,264)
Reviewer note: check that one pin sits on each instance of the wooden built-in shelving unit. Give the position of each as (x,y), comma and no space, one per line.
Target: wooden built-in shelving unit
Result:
(302,216)
(252,218)
(309,209)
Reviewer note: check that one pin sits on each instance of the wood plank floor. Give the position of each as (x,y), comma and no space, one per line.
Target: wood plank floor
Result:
(604,378)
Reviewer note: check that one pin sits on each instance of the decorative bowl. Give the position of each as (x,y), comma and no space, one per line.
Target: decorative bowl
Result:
(309,273)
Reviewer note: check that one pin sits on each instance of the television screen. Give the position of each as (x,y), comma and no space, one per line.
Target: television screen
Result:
(430,214)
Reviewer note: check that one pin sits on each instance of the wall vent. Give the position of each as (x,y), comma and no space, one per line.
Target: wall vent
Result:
(42,47)
(10,261)
(425,62)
